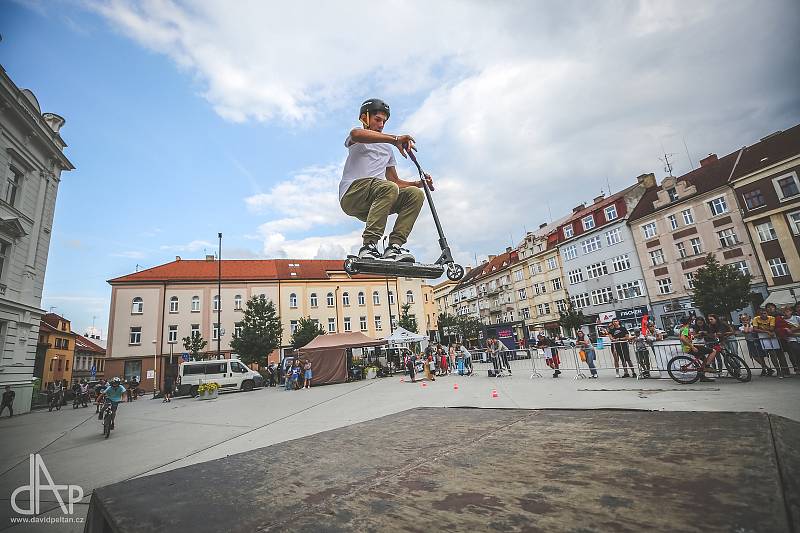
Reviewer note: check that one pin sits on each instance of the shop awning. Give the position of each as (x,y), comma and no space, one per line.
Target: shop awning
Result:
(782,296)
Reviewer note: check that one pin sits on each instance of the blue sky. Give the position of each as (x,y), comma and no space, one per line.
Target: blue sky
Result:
(185,119)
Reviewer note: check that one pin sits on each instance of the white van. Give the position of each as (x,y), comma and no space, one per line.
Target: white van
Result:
(230,374)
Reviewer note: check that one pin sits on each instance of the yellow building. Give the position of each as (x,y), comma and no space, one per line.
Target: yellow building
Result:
(431,313)
(55,333)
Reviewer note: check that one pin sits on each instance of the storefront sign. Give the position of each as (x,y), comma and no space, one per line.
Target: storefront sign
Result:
(604,318)
(635,313)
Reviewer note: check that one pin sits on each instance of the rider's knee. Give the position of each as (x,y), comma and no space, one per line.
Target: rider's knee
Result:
(388,188)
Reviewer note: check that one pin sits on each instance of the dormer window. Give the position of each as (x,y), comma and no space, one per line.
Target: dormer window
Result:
(673,194)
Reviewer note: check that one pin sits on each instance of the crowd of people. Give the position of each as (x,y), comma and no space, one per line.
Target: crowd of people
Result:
(298,374)
(438,360)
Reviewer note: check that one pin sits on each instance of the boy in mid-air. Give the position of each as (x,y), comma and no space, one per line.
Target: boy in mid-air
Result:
(371,190)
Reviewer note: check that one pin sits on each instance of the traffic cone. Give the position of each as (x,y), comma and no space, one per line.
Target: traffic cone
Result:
(455,386)
(402,380)
(424,384)
(494,393)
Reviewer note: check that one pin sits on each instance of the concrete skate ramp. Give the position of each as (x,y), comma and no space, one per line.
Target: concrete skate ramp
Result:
(486,469)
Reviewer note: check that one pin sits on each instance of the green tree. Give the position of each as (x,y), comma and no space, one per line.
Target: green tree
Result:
(307,330)
(194,344)
(720,289)
(468,327)
(571,320)
(261,331)
(407,321)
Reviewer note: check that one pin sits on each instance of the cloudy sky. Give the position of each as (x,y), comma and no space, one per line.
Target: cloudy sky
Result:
(185,119)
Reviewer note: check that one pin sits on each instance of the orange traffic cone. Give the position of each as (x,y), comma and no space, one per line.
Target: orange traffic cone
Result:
(402,380)
(424,384)
(455,386)
(494,393)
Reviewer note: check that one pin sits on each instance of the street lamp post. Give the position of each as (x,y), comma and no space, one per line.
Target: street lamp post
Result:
(388,305)
(155,362)
(219,299)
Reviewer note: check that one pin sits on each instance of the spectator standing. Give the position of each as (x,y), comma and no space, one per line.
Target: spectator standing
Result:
(410,362)
(307,374)
(787,327)
(129,390)
(620,337)
(553,361)
(751,338)
(764,325)
(168,387)
(583,343)
(8,401)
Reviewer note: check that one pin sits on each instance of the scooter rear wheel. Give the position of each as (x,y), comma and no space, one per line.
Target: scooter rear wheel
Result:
(455,272)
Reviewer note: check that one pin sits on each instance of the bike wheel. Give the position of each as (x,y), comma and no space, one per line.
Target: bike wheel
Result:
(683,369)
(107,426)
(738,368)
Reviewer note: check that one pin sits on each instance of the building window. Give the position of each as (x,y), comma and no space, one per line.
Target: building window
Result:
(376,298)
(591,245)
(391,297)
(614,236)
(649,230)
(378,325)
(673,222)
(766,232)
(664,285)
(551,263)
(777,266)
(195,304)
(135,336)
(556,284)
(681,246)
(718,206)
(794,223)
(539,288)
(65,344)
(518,275)
(596,270)
(631,289)
(588,222)
(602,296)
(688,217)
(786,186)
(544,309)
(362,322)
(195,330)
(215,331)
(409,297)
(172,334)
(536,268)
(292,326)
(237,302)
(173,304)
(216,302)
(689,280)
(575,276)
(579,301)
(621,262)
(238,327)
(331,302)
(4,253)
(570,252)
(673,194)
(727,237)
(742,267)
(346,299)
(138,306)
(561,305)
(347,324)
(526,313)
(754,199)
(522,295)
(293,300)
(697,247)
(13,182)
(331,325)
(362,300)
(611,213)
(568,231)
(657,257)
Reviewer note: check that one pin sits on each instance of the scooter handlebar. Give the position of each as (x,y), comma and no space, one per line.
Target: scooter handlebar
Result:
(416,163)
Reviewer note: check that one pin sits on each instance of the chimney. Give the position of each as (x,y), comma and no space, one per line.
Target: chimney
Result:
(648,180)
(177,258)
(491,257)
(508,249)
(543,225)
(578,208)
(53,121)
(210,258)
(599,199)
(708,160)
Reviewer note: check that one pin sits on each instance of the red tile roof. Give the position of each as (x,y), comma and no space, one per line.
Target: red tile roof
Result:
(771,150)
(240,270)
(85,344)
(52,319)
(495,265)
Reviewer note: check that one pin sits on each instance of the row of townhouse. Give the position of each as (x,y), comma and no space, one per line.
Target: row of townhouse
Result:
(63,355)
(635,252)
(154,309)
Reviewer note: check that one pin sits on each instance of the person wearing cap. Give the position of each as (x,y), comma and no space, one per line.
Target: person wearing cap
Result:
(371,190)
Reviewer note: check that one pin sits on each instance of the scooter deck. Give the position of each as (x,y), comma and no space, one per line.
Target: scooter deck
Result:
(394,268)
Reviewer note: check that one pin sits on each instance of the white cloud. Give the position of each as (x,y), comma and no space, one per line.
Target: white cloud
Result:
(192,246)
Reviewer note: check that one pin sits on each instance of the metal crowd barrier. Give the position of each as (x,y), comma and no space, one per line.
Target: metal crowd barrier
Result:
(654,360)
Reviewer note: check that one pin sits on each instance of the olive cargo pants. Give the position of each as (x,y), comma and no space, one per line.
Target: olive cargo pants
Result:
(372,200)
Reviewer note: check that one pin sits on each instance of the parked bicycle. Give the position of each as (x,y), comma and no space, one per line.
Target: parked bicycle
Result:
(687,369)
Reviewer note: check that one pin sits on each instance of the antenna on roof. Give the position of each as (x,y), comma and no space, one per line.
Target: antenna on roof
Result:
(608,184)
(549,213)
(691,165)
(137,267)
(666,161)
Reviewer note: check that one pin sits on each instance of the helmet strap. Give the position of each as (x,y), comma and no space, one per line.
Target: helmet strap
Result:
(365,124)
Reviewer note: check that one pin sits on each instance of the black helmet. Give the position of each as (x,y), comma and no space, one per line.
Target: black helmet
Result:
(373,105)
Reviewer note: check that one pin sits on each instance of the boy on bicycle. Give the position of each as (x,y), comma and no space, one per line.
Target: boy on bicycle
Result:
(698,351)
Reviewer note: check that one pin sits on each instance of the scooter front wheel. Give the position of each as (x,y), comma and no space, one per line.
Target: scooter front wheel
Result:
(350,266)
(455,272)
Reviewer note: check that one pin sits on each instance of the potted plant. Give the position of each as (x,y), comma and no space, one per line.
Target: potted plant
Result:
(208,391)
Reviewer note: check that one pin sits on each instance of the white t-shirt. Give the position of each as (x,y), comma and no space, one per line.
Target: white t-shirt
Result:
(365,160)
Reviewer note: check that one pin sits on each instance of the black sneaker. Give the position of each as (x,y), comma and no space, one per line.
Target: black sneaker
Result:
(369,251)
(396,253)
